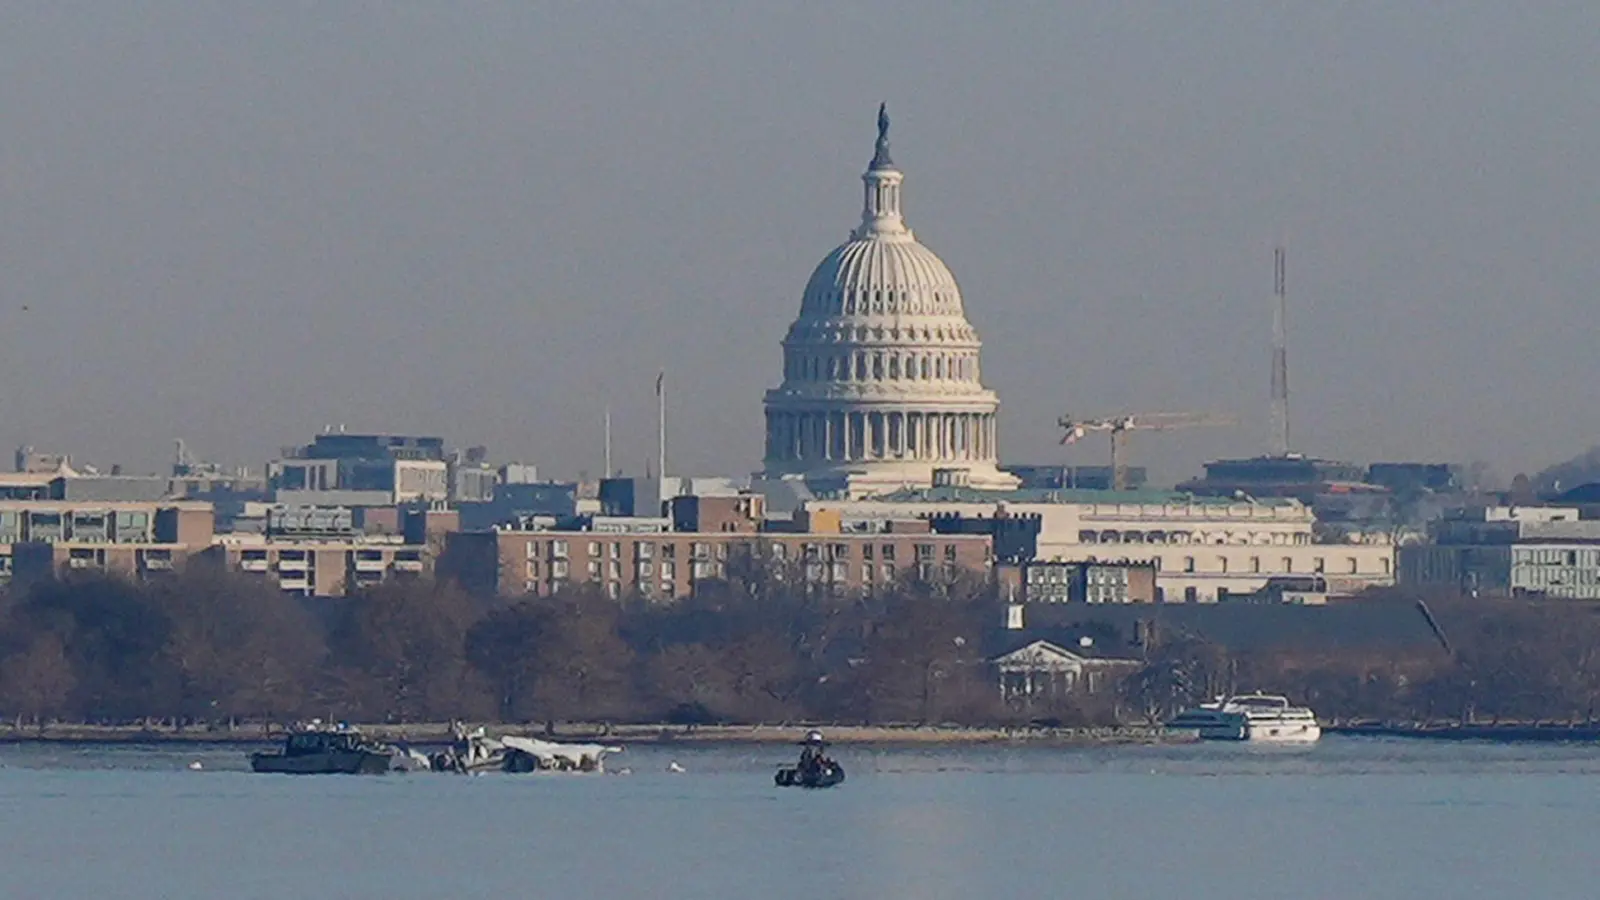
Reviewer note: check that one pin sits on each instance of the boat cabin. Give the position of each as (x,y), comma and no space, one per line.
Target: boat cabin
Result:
(307,743)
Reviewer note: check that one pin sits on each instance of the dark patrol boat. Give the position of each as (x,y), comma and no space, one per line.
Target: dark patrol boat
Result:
(319,751)
(814,770)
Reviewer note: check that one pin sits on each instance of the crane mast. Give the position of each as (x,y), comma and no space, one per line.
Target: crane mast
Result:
(1119,427)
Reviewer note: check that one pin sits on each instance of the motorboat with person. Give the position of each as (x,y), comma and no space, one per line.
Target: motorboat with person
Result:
(1264,718)
(472,752)
(815,768)
(316,750)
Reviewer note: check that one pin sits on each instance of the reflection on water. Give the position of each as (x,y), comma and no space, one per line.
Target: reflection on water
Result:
(1345,818)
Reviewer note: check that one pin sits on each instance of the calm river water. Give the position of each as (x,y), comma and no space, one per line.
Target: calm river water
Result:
(1349,818)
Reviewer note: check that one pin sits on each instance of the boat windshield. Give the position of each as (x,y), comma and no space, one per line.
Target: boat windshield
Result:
(1261,701)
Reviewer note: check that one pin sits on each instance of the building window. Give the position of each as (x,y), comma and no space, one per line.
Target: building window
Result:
(1255,564)
(924,552)
(1317,564)
(1190,594)
(841,551)
(669,569)
(1288,564)
(888,553)
(614,568)
(668,551)
(594,570)
(616,550)
(646,570)
(558,569)
(866,573)
(1354,566)
(531,550)
(866,551)
(594,548)
(558,549)
(1188,564)
(533,570)
(888,572)
(1222,564)
(644,550)
(613,590)
(949,552)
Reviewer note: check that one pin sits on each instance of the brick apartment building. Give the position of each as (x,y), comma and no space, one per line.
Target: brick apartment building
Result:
(715,536)
(46,538)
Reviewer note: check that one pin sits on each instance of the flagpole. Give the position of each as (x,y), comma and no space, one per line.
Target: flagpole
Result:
(608,441)
(661,425)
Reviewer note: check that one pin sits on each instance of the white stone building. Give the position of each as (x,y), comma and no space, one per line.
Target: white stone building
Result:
(1205,549)
(881,380)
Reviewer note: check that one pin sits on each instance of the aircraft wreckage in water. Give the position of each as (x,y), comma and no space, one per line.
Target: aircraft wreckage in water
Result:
(476,751)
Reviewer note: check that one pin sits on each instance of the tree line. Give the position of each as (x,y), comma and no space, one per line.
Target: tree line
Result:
(208,646)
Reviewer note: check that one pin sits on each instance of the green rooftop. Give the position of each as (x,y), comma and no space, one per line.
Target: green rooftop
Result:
(953,494)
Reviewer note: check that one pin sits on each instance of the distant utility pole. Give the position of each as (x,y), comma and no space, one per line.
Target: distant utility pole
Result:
(661,425)
(608,441)
(1280,354)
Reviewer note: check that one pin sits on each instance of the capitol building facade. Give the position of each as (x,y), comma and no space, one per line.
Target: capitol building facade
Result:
(882,385)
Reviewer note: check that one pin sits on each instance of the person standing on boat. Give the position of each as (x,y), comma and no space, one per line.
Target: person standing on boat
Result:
(811,758)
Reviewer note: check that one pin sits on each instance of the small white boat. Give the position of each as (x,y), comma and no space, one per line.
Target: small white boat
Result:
(1266,718)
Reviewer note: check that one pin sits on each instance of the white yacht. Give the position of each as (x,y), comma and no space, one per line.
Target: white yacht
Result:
(1250,717)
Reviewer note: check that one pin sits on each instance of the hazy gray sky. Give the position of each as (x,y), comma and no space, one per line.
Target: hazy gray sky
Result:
(238,223)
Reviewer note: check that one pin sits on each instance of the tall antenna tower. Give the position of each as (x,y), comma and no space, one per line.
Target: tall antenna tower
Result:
(1280,354)
(609,470)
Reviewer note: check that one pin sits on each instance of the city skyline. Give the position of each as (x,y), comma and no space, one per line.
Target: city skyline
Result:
(235,229)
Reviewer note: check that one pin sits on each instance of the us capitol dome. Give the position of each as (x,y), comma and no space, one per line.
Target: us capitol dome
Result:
(882,386)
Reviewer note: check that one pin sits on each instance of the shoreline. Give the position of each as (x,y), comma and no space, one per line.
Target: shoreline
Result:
(1503,733)
(704,735)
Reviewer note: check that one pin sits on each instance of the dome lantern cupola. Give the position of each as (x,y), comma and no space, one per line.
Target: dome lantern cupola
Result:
(880,208)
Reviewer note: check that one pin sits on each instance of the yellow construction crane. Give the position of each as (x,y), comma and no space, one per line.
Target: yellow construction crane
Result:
(1120,425)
